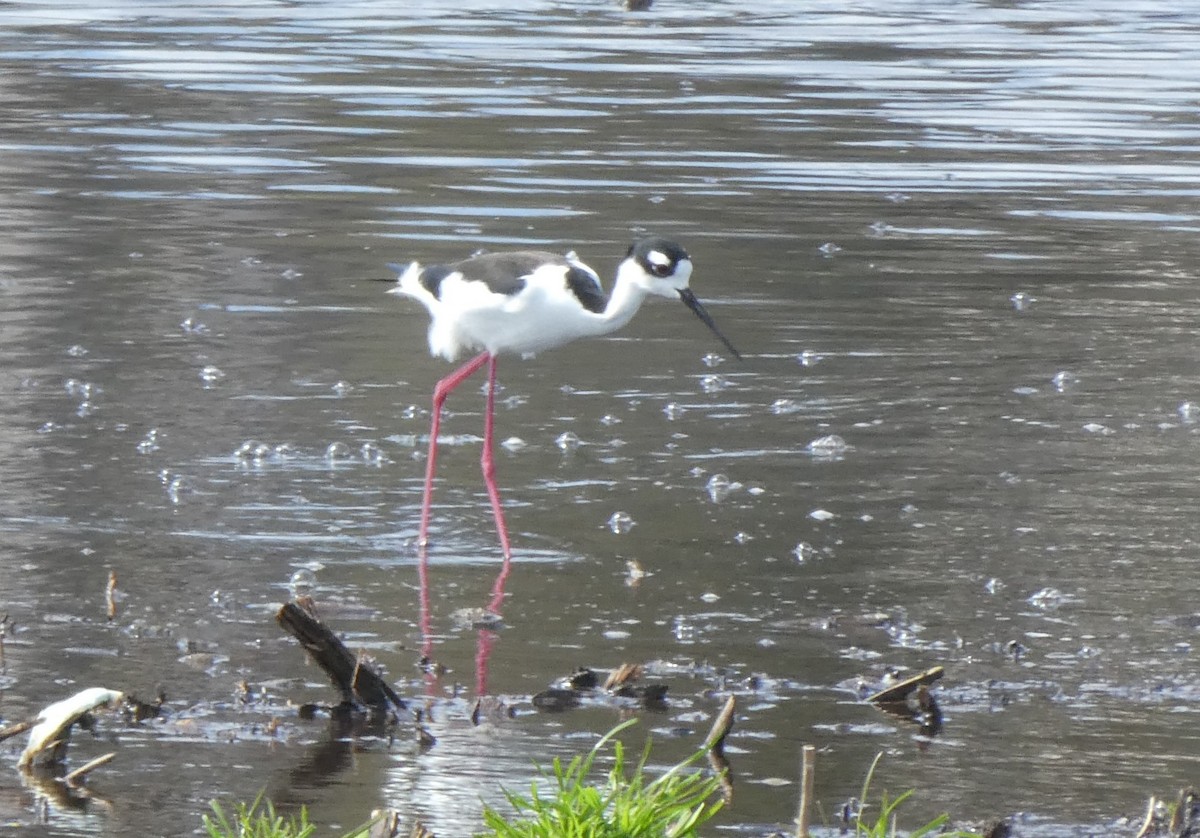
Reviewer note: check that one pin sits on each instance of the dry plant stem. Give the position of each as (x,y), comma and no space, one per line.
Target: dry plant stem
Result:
(13,730)
(721,726)
(808,758)
(110,595)
(1148,823)
(82,771)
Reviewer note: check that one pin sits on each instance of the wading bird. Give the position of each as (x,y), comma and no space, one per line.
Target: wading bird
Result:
(522,303)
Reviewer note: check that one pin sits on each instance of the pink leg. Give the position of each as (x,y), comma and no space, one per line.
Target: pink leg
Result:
(488,464)
(443,389)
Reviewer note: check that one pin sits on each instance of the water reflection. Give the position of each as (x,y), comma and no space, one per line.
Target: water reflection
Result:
(868,194)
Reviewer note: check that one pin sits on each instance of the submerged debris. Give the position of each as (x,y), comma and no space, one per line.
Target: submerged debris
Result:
(584,683)
(911,699)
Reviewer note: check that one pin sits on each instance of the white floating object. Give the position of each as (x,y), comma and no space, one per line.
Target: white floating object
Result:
(54,722)
(821,515)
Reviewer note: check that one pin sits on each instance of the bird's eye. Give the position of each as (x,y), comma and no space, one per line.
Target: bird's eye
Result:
(659,263)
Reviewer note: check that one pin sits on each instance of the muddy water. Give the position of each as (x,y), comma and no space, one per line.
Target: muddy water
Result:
(959,237)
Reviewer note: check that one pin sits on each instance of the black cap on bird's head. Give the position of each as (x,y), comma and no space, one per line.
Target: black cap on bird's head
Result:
(668,268)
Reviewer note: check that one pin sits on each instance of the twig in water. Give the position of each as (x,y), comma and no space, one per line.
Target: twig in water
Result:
(808,758)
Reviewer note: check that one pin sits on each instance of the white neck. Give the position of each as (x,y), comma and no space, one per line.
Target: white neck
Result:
(627,297)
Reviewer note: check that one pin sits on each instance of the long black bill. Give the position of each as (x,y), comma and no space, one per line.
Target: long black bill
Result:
(689,300)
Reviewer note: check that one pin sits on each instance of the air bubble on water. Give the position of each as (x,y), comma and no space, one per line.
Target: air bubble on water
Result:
(192,326)
(410,412)
(1097,428)
(1021,300)
(808,358)
(211,374)
(302,582)
(821,515)
(283,450)
(337,451)
(149,442)
(84,409)
(829,249)
(1188,411)
(713,383)
(341,388)
(879,228)
(830,445)
(656,199)
(742,537)
(371,454)
(177,487)
(710,597)
(1025,390)
(78,389)
(673,410)
(251,449)
(684,630)
(993,586)
(567,441)
(77,350)
(620,522)
(608,420)
(782,407)
(1047,599)
(291,273)
(712,359)
(804,552)
(514,444)
(897,198)
(1063,380)
(47,427)
(719,487)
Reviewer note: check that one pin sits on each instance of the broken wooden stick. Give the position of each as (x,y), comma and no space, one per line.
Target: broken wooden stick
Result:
(808,767)
(354,679)
(77,776)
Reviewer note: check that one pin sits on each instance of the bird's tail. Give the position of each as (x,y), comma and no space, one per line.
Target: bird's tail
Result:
(409,280)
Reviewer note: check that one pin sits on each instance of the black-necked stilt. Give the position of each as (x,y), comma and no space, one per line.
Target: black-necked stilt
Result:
(525,302)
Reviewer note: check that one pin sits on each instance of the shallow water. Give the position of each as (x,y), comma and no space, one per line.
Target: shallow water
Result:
(958,236)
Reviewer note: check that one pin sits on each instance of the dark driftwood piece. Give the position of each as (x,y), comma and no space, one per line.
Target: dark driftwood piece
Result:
(355,680)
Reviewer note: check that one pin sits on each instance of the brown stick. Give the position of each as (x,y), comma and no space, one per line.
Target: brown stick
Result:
(721,727)
(808,758)
(79,773)
(110,596)
(13,729)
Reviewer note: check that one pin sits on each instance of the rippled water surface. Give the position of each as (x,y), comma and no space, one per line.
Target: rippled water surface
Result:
(958,236)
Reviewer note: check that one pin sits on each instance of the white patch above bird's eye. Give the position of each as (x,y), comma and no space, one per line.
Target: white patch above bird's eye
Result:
(657,257)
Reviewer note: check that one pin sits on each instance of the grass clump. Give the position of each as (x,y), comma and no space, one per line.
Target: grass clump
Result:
(622,805)
(885,823)
(256,820)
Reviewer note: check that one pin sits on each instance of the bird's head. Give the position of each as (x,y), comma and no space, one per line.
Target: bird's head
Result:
(662,267)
